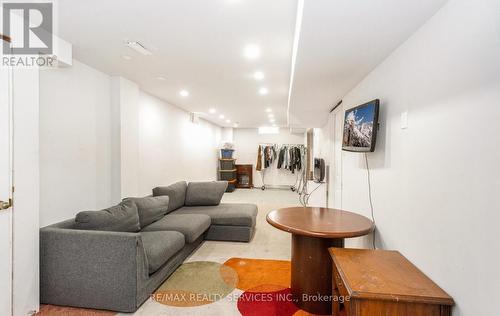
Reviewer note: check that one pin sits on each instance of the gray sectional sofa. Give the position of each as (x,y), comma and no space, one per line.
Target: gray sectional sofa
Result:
(114,259)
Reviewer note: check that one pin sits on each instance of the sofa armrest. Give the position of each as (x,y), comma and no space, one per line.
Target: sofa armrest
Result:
(93,269)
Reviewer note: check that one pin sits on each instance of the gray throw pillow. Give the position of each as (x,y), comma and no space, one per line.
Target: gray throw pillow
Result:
(120,218)
(205,193)
(150,208)
(176,192)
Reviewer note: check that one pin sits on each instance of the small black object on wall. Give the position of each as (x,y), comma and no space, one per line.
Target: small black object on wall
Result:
(319,169)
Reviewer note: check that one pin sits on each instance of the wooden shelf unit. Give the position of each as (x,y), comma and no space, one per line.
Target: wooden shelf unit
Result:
(226,167)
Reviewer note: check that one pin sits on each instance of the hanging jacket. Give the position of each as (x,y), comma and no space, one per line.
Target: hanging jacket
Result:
(267,157)
(263,162)
(298,159)
(292,160)
(259,159)
(287,158)
(281,157)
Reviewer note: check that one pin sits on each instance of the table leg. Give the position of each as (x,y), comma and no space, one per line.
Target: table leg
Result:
(312,273)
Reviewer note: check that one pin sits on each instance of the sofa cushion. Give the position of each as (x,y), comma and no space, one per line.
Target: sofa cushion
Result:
(191,226)
(205,193)
(225,213)
(176,192)
(161,246)
(150,208)
(120,218)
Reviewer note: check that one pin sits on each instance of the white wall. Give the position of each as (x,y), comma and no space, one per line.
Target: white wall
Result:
(246,143)
(102,139)
(171,148)
(435,184)
(125,105)
(75,142)
(227,134)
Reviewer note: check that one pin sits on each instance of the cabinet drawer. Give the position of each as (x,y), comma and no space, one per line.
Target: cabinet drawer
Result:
(338,282)
(340,289)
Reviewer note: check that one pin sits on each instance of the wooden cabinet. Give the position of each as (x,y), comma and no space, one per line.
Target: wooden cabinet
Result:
(244,176)
(383,283)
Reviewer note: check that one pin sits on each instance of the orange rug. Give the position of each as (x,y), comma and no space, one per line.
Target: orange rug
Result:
(252,273)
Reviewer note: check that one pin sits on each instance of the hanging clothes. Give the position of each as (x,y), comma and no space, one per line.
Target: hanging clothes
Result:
(269,155)
(266,155)
(291,157)
(288,157)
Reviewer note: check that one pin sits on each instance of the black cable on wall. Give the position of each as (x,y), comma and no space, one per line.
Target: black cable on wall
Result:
(371,200)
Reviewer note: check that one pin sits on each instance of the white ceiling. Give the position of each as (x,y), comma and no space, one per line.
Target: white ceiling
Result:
(198,45)
(342,41)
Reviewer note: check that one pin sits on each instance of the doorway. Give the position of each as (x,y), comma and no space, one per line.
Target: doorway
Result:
(5,190)
(19,208)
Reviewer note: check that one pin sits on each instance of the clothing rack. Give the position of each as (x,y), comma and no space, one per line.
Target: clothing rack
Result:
(277,144)
(297,184)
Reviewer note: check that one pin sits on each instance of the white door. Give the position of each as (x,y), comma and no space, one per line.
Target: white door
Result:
(336,168)
(5,192)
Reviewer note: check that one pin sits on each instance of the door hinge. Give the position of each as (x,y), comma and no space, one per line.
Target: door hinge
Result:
(5,205)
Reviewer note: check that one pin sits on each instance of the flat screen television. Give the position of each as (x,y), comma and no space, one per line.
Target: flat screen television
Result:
(360,127)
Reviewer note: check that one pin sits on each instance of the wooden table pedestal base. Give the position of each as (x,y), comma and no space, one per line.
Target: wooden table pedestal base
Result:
(312,273)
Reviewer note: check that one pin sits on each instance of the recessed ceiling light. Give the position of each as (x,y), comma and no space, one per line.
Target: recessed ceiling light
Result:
(252,51)
(274,125)
(269,110)
(212,110)
(272,120)
(258,75)
(184,93)
(236,125)
(263,91)
(270,115)
(228,121)
(221,116)
(127,57)
(161,78)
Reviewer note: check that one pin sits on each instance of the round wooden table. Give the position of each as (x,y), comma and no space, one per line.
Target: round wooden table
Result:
(314,230)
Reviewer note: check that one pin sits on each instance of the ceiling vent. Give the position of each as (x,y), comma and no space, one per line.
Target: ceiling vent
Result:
(138,47)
